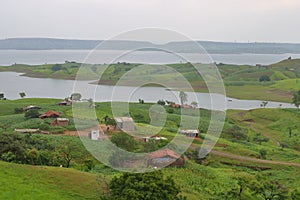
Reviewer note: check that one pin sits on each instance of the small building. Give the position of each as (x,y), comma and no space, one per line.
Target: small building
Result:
(60,122)
(164,158)
(95,134)
(187,106)
(190,133)
(31,107)
(125,123)
(65,103)
(154,138)
(50,114)
(175,105)
(27,130)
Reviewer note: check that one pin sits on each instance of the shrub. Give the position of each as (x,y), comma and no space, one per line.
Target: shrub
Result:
(32,114)
(18,110)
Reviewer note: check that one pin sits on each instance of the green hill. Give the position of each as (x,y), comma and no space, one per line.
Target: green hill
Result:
(35,182)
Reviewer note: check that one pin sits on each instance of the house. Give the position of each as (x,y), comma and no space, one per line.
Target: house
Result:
(125,123)
(163,158)
(50,114)
(187,106)
(175,105)
(31,107)
(60,122)
(190,133)
(94,135)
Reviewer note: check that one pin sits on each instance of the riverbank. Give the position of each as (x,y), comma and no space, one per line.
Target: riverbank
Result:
(241,81)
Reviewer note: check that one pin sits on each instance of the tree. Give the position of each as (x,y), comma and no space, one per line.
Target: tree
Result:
(264,104)
(22,94)
(147,186)
(260,138)
(240,184)
(267,189)
(290,132)
(183,97)
(32,114)
(124,141)
(264,78)
(295,194)
(161,102)
(33,155)
(141,101)
(296,99)
(13,145)
(76,96)
(194,104)
(68,151)
(263,154)
(1,96)
(91,102)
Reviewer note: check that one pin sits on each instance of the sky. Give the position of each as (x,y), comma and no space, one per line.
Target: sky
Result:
(212,20)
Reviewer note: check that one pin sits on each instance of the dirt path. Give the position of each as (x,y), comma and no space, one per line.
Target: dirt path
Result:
(254,160)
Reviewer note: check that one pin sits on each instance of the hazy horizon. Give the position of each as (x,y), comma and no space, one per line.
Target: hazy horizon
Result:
(219,21)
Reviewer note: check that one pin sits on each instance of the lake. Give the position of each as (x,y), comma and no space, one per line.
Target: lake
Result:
(12,83)
(9,57)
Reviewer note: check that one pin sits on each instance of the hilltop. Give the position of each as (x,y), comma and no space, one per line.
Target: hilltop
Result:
(181,46)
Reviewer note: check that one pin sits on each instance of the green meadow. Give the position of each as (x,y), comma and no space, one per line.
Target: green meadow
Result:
(249,138)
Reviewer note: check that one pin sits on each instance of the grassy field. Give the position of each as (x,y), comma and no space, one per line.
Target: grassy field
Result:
(36,182)
(214,176)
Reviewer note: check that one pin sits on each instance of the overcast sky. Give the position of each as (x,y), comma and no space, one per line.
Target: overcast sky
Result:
(215,20)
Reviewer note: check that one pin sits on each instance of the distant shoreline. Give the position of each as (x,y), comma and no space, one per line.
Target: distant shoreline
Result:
(180,47)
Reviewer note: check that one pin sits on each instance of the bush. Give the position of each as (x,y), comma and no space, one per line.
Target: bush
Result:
(19,110)
(170,110)
(161,102)
(44,127)
(32,114)
(144,186)
(264,78)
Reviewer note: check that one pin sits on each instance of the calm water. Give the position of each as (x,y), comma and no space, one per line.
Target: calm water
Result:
(11,84)
(9,57)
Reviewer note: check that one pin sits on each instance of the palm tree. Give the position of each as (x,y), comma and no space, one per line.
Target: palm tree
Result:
(183,97)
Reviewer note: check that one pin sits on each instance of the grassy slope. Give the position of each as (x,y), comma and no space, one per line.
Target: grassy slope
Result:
(33,182)
(196,181)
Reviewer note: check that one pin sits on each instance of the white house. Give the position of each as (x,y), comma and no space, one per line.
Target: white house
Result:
(95,134)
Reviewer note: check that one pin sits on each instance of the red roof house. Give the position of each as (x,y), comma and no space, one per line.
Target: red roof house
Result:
(50,114)
(164,158)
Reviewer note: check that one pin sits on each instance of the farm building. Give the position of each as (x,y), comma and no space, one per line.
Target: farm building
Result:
(174,105)
(50,114)
(189,133)
(187,106)
(27,130)
(94,135)
(125,123)
(31,107)
(154,138)
(60,122)
(164,158)
(65,103)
